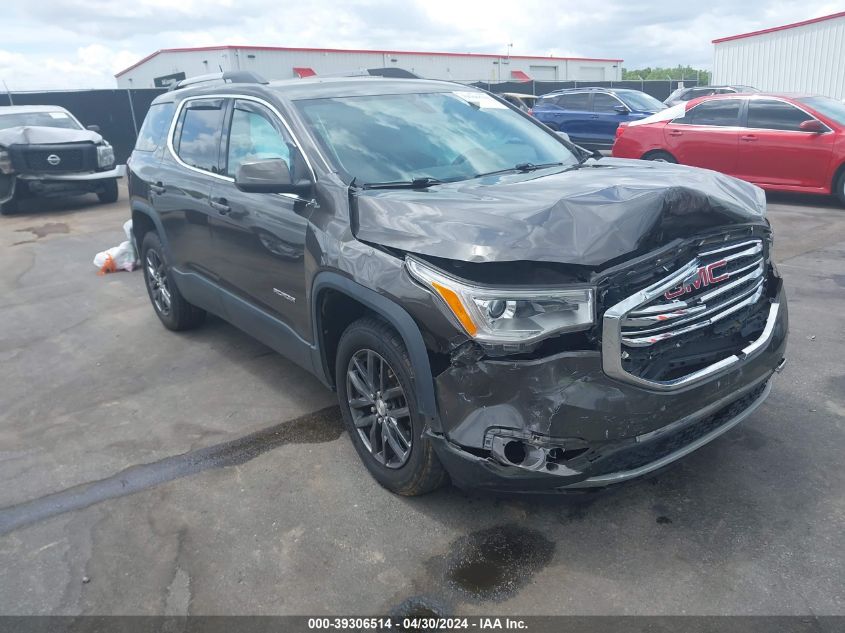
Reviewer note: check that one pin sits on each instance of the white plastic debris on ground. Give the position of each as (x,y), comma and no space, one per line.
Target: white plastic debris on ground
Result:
(120,257)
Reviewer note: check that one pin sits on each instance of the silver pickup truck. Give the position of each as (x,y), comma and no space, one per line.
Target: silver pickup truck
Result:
(46,152)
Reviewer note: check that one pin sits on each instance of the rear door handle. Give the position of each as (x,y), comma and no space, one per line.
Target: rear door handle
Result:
(158,188)
(675,133)
(748,137)
(220,205)
(594,116)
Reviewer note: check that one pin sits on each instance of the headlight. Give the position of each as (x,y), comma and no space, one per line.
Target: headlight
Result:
(5,162)
(105,155)
(494,315)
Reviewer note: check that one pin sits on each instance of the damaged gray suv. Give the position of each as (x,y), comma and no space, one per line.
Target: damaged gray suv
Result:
(492,304)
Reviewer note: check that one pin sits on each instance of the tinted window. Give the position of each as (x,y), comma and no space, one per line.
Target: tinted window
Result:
(721,112)
(446,135)
(575,101)
(698,92)
(155,127)
(775,115)
(254,136)
(603,102)
(199,134)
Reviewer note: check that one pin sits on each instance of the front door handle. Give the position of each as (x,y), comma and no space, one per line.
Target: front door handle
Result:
(221,205)
(158,187)
(748,137)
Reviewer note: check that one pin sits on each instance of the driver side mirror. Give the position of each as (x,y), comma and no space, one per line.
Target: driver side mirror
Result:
(93,128)
(271,175)
(812,125)
(620,109)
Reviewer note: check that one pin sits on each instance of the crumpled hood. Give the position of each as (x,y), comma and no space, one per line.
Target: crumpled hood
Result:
(39,135)
(586,216)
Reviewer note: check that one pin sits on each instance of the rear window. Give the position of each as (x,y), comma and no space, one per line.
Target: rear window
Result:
(155,126)
(199,134)
(575,101)
(719,113)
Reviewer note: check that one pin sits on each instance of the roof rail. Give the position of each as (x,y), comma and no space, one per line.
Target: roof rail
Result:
(232,76)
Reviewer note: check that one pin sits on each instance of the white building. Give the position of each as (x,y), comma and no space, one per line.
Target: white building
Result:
(802,57)
(172,64)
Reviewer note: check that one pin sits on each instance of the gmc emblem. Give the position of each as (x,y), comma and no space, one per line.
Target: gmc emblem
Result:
(704,276)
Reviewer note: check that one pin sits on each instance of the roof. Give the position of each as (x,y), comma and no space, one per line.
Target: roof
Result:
(785,27)
(342,50)
(30,108)
(322,88)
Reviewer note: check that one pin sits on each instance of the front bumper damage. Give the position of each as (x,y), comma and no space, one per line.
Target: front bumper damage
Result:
(561,423)
(48,185)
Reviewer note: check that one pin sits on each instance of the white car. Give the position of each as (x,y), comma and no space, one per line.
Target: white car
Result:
(46,152)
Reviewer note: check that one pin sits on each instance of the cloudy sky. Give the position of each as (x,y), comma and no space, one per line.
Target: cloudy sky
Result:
(82,43)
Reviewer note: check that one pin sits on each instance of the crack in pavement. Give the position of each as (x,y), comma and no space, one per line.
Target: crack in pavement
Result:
(322,426)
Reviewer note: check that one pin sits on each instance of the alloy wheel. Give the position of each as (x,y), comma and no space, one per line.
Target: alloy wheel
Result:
(156,274)
(379,408)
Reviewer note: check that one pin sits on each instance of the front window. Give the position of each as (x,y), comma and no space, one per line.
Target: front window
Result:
(769,114)
(830,108)
(640,101)
(39,119)
(254,136)
(444,135)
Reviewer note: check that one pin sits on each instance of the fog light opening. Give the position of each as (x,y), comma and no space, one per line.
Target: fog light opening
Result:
(515,452)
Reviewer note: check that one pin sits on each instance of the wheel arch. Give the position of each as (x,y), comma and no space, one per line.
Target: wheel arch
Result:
(144,220)
(329,284)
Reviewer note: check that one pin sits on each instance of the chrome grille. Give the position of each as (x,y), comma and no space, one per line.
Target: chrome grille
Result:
(723,281)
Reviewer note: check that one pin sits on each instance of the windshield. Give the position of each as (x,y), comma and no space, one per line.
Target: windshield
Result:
(444,135)
(640,101)
(41,119)
(831,108)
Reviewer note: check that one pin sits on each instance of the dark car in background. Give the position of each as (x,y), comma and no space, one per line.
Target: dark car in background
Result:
(46,152)
(688,94)
(590,116)
(490,302)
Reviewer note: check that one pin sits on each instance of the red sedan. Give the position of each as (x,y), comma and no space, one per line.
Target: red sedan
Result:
(781,143)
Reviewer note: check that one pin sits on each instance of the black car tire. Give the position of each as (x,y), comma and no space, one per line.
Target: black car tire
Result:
(422,472)
(9,207)
(664,157)
(840,187)
(179,314)
(109,193)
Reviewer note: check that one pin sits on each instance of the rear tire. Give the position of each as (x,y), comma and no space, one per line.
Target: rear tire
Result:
(109,193)
(662,157)
(371,356)
(171,308)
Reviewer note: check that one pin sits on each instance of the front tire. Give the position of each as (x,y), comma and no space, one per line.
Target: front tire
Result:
(377,399)
(109,193)
(840,187)
(9,207)
(171,308)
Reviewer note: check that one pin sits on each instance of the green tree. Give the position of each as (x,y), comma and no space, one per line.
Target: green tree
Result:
(676,74)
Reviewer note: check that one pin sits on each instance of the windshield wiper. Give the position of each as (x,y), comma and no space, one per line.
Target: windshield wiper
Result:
(522,168)
(416,183)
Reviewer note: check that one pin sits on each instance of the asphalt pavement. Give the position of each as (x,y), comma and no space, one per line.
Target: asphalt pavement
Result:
(150,472)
